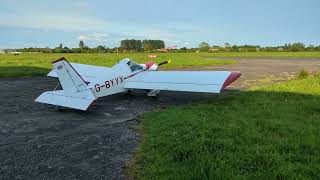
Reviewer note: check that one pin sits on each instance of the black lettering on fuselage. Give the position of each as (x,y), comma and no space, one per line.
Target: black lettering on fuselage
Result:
(110,83)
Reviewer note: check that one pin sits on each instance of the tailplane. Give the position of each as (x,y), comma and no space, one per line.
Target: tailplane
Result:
(75,93)
(80,100)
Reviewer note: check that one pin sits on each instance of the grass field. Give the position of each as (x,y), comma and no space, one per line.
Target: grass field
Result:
(38,64)
(265,133)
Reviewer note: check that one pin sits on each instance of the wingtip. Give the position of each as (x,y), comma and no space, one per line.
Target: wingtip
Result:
(234,75)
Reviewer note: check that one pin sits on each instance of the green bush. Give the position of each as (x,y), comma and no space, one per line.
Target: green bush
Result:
(303,74)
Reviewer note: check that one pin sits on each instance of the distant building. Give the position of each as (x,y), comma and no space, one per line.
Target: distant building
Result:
(10,51)
(213,49)
(163,50)
(152,56)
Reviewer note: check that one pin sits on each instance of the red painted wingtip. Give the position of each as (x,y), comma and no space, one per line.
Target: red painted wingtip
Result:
(234,75)
(60,59)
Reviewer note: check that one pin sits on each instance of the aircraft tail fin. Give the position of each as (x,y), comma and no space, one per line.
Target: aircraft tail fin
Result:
(70,80)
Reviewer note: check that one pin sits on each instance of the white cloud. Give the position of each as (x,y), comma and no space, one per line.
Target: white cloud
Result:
(81,4)
(47,21)
(79,19)
(86,26)
(99,37)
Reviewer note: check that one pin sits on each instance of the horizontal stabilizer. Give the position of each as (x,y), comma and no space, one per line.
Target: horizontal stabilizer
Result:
(80,100)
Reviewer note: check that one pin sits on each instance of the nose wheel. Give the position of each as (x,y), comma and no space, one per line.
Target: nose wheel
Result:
(129,93)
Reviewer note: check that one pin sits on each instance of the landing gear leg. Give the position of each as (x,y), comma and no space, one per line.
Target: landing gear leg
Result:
(153,93)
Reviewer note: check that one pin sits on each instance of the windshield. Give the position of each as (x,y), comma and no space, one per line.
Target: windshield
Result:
(134,66)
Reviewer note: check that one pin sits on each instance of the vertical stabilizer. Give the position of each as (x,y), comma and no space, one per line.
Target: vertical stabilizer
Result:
(70,80)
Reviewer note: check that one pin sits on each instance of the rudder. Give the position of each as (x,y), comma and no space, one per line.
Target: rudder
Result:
(70,80)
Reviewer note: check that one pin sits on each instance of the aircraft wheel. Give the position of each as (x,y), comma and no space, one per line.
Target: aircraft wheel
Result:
(128,93)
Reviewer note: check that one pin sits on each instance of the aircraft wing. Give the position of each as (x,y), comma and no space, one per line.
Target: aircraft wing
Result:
(192,81)
(88,72)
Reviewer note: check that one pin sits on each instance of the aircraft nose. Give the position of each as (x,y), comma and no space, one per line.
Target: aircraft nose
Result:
(149,64)
(234,75)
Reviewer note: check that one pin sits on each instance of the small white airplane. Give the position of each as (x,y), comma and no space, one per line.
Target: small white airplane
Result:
(82,84)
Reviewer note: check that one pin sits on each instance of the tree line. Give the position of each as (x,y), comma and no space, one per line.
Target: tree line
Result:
(128,45)
(64,49)
(132,45)
(288,47)
(138,45)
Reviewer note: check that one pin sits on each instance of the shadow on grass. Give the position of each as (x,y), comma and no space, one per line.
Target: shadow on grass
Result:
(22,71)
(253,134)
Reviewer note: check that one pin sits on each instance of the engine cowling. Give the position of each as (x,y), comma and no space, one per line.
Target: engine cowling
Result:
(152,66)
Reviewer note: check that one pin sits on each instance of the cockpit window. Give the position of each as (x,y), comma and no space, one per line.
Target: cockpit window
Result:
(134,67)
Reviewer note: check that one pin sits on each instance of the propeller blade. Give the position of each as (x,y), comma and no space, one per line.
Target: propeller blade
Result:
(164,62)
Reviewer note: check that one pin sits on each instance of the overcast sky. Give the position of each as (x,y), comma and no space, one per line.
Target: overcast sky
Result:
(177,22)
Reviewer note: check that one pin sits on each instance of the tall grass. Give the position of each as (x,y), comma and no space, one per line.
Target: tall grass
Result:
(266,133)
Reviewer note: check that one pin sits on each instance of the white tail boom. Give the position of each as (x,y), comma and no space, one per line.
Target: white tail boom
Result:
(75,93)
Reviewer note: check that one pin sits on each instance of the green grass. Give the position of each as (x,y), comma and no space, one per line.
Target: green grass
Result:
(266,54)
(264,133)
(38,64)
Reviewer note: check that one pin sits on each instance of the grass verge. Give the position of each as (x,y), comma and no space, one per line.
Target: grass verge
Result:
(39,64)
(269,132)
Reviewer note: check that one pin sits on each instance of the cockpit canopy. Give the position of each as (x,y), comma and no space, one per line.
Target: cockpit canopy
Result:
(134,66)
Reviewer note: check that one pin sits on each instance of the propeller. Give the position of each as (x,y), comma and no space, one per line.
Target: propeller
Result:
(164,62)
(152,66)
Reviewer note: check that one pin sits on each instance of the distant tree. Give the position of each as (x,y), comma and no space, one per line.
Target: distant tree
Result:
(311,47)
(57,50)
(131,45)
(227,45)
(297,47)
(60,46)
(147,47)
(183,49)
(81,44)
(235,48)
(203,46)
(76,50)
(99,49)
(66,50)
(153,44)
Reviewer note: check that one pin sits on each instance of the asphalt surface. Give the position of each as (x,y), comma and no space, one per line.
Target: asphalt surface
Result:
(41,142)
